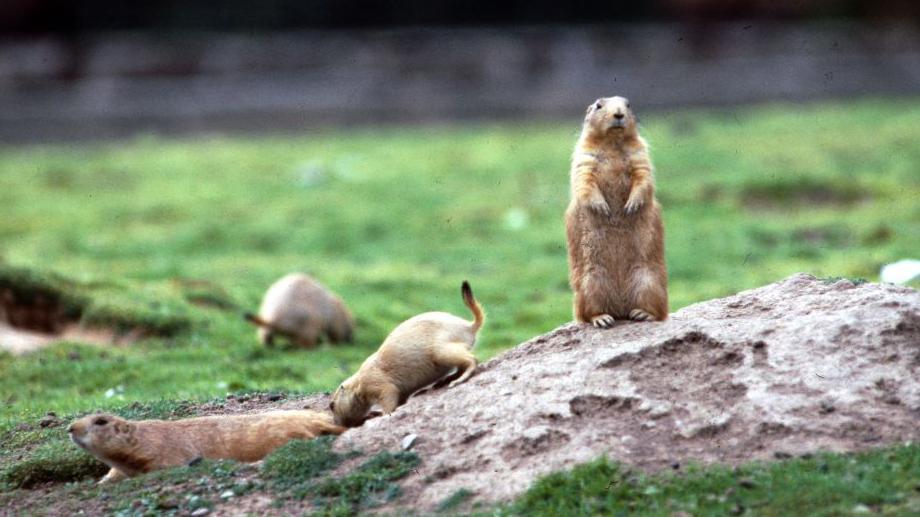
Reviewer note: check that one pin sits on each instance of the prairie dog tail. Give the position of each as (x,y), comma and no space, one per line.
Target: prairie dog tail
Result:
(479,316)
(256,320)
(325,426)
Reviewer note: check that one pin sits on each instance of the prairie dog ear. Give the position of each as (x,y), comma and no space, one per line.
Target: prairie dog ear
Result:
(124,427)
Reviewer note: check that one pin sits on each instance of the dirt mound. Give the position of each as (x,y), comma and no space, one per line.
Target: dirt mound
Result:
(794,367)
(34,318)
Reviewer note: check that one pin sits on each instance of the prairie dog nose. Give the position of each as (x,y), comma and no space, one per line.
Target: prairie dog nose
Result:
(618,115)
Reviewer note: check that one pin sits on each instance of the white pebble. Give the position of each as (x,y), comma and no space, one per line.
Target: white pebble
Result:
(409,441)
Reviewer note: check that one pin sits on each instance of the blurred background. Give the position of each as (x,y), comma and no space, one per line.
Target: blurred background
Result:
(84,69)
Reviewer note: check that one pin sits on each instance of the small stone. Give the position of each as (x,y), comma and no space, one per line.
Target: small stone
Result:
(227,494)
(861,508)
(675,465)
(746,483)
(408,441)
(199,512)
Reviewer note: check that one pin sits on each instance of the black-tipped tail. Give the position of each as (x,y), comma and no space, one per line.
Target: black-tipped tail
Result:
(479,316)
(255,320)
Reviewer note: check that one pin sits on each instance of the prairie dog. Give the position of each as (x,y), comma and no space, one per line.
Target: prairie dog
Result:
(133,447)
(613,222)
(303,310)
(419,352)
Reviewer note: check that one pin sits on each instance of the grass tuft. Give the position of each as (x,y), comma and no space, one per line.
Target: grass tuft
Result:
(369,485)
(455,500)
(52,461)
(300,461)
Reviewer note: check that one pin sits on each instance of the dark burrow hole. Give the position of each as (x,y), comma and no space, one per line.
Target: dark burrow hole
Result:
(32,317)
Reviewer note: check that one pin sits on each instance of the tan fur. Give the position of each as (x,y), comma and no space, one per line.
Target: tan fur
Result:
(303,310)
(613,222)
(134,447)
(420,352)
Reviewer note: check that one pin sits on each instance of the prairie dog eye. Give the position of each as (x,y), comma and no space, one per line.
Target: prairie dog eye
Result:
(100,421)
(598,105)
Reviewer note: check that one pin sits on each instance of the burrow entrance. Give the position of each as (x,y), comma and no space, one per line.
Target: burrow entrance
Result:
(34,317)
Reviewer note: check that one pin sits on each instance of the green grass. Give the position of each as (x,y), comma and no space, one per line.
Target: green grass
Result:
(180,489)
(299,462)
(455,499)
(369,485)
(885,481)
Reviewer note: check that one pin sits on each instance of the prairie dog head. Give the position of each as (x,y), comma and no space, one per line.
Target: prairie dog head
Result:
(610,116)
(349,405)
(103,434)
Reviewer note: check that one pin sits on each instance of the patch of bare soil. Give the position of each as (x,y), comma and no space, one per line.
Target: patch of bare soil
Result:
(30,321)
(798,366)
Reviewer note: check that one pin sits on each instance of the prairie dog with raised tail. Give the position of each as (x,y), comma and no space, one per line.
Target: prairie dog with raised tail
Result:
(613,222)
(418,353)
(133,447)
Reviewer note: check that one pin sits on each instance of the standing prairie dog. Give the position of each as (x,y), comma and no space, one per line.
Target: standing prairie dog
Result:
(418,353)
(303,310)
(613,222)
(135,447)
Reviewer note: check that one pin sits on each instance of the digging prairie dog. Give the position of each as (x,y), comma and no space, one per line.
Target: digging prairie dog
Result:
(133,447)
(613,222)
(418,353)
(303,310)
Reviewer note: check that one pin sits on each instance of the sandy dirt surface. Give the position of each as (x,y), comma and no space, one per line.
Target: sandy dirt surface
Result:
(798,366)
(19,341)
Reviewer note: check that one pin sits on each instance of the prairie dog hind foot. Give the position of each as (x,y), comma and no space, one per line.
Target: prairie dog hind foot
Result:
(603,321)
(640,315)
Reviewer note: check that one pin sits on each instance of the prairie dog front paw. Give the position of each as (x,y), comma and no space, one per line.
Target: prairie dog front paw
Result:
(599,205)
(633,204)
